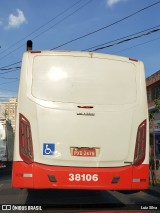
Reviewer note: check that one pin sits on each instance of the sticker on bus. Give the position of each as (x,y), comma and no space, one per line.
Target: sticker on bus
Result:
(48,149)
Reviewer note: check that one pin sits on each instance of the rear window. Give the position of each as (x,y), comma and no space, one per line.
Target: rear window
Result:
(83,80)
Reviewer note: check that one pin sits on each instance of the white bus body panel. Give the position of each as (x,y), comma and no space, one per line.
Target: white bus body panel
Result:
(54,84)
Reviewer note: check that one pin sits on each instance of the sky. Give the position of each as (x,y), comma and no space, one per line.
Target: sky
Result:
(77,25)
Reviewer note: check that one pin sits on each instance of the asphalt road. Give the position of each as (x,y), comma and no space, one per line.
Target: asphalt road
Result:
(77,200)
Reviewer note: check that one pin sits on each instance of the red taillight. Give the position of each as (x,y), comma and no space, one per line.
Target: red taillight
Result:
(25,140)
(35,51)
(140,148)
(132,59)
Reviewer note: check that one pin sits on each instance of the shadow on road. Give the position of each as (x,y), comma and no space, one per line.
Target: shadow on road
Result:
(73,199)
(6,173)
(153,192)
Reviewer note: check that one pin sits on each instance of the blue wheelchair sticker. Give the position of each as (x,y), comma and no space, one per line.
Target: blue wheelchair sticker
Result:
(48,149)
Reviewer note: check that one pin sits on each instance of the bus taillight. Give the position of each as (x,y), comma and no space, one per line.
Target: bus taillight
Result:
(25,140)
(140,148)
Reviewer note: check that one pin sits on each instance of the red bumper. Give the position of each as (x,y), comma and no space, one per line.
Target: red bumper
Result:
(56,177)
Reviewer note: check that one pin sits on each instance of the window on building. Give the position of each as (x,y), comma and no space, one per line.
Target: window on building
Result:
(155,92)
(149,95)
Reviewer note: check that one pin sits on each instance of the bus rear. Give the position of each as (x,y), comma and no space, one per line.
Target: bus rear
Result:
(82,122)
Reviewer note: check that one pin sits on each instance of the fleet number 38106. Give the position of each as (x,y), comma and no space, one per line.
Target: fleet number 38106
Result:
(83,177)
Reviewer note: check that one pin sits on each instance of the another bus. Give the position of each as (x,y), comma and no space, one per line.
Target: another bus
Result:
(6,144)
(82,122)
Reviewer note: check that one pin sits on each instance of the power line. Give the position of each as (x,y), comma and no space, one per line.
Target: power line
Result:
(138,45)
(10,68)
(11,64)
(90,48)
(107,26)
(61,13)
(8,71)
(123,41)
(110,45)
(63,19)
(98,29)
(129,39)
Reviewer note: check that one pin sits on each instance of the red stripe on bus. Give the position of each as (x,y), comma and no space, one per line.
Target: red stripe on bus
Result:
(40,176)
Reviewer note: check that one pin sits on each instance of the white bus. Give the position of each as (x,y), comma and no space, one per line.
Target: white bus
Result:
(82,122)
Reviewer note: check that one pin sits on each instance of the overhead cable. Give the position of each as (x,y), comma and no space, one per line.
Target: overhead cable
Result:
(59,14)
(10,64)
(107,26)
(137,45)
(63,19)
(91,48)
(1,73)
(100,28)
(129,39)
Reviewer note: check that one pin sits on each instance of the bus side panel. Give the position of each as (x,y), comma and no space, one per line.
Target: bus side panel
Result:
(22,175)
(140,177)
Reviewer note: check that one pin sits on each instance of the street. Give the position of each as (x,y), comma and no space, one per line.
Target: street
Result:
(80,200)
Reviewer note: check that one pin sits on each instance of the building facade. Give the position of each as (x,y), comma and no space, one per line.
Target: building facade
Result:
(153,92)
(153,89)
(8,110)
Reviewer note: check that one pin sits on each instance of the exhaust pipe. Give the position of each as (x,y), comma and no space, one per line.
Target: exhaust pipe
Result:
(29,45)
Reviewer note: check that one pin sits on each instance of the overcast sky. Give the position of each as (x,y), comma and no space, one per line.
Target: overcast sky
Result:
(51,23)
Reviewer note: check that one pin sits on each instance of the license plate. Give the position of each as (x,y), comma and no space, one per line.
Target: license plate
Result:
(84,152)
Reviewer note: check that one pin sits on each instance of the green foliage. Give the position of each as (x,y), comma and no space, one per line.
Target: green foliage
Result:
(157,109)
(157,104)
(151,116)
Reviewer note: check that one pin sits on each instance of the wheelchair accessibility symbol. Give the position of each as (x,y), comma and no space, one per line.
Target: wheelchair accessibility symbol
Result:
(48,149)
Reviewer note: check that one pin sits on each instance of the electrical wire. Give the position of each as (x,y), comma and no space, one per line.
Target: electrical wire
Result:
(90,48)
(8,71)
(10,68)
(137,45)
(126,40)
(105,27)
(88,34)
(5,67)
(63,19)
(61,13)
(103,47)
(11,64)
